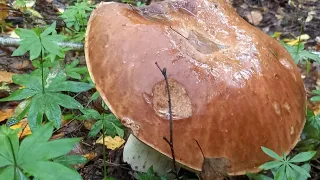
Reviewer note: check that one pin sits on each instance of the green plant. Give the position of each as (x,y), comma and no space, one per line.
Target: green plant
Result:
(285,167)
(42,89)
(299,54)
(76,19)
(108,123)
(34,156)
(150,175)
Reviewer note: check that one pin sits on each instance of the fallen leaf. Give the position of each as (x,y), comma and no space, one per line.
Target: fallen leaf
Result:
(5,114)
(215,168)
(293,42)
(110,142)
(254,17)
(4,11)
(25,129)
(90,155)
(6,77)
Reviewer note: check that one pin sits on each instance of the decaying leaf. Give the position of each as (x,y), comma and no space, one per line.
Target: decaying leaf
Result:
(24,128)
(6,77)
(90,155)
(215,168)
(110,142)
(254,17)
(5,114)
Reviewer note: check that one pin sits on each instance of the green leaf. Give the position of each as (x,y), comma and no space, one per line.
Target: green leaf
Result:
(258,176)
(280,174)
(300,170)
(70,86)
(53,111)
(51,149)
(9,145)
(41,135)
(315,99)
(95,96)
(304,156)
(65,100)
(96,127)
(290,173)
(306,167)
(271,165)
(19,95)
(7,173)
(90,113)
(71,160)
(51,171)
(120,131)
(19,113)
(271,153)
(36,111)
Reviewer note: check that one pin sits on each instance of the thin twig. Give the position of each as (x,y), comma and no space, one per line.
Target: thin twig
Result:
(9,41)
(164,73)
(148,2)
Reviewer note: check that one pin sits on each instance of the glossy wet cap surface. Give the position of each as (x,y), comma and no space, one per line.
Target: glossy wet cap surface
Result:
(233,88)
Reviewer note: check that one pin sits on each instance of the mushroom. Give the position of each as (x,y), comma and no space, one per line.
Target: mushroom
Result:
(233,88)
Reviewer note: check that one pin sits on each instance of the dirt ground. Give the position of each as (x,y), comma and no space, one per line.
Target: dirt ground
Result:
(268,15)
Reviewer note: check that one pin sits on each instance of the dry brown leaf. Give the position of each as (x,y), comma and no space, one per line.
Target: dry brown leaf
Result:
(215,168)
(5,114)
(3,11)
(6,77)
(254,17)
(25,129)
(110,142)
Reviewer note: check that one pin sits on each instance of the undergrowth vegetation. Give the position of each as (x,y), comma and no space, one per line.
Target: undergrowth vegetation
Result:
(50,92)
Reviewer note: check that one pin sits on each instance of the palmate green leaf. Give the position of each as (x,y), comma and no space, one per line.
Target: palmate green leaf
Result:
(306,167)
(290,174)
(119,131)
(303,157)
(9,145)
(271,165)
(315,99)
(300,170)
(71,86)
(280,174)
(36,111)
(51,171)
(19,95)
(298,53)
(271,153)
(40,136)
(53,111)
(7,173)
(71,160)
(50,150)
(30,41)
(65,100)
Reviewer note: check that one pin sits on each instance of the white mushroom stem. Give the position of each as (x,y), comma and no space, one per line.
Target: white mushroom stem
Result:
(141,157)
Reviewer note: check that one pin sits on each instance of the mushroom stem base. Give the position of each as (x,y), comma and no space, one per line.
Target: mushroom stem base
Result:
(141,157)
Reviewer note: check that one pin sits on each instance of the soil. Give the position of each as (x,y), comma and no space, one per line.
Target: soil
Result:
(268,15)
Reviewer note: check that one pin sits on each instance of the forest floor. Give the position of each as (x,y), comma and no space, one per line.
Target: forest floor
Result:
(271,16)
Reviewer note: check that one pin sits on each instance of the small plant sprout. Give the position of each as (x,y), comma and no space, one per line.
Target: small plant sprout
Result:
(286,167)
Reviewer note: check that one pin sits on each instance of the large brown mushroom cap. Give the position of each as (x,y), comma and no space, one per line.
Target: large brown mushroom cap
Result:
(233,88)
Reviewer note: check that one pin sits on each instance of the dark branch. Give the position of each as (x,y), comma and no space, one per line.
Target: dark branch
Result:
(164,73)
(148,2)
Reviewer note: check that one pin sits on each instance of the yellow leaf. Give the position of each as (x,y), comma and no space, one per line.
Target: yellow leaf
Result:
(25,129)
(293,42)
(6,77)
(277,34)
(110,142)
(5,114)
(90,155)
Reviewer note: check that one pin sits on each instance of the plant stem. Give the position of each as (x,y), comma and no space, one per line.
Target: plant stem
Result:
(14,158)
(164,73)
(42,73)
(104,158)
